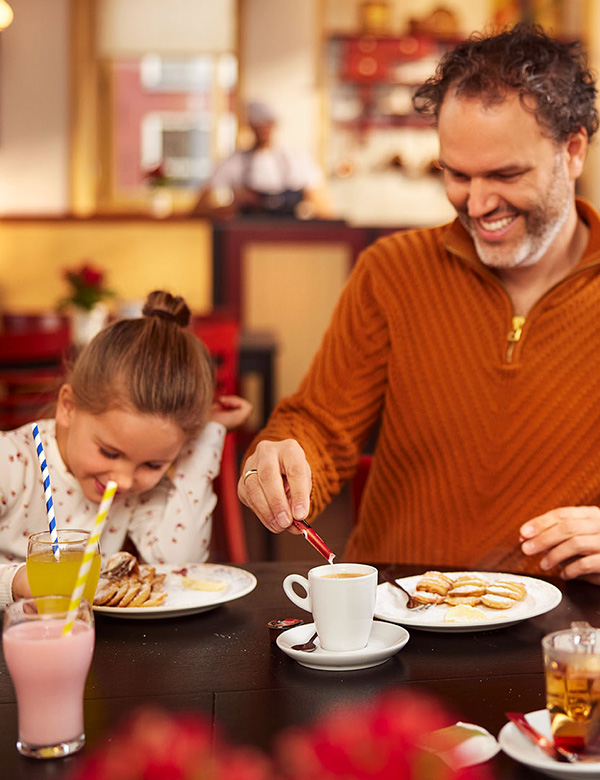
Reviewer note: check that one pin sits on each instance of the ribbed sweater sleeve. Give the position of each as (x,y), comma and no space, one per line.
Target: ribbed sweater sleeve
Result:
(342,397)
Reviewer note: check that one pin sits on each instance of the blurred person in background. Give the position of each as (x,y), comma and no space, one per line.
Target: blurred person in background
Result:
(267,179)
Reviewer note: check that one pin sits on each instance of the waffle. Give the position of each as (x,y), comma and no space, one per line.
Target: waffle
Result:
(125,583)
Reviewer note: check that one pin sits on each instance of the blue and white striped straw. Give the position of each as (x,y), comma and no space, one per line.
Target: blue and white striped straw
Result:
(47,489)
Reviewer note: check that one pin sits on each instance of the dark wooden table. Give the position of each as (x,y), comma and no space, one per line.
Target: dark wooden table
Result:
(222,663)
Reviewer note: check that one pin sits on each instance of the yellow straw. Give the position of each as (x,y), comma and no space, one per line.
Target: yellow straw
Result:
(88,555)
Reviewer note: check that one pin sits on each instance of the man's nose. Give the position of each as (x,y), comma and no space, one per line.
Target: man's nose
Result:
(481,199)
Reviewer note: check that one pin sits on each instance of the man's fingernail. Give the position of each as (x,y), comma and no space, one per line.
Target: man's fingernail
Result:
(300,510)
(282,520)
(527,530)
(526,547)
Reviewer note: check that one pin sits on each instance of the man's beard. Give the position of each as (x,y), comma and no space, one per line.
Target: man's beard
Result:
(543,223)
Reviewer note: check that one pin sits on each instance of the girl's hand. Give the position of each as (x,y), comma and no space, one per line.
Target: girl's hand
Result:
(231,411)
(20,584)
(568,537)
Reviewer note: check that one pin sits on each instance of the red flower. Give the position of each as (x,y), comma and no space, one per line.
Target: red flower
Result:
(158,171)
(91,276)
(155,745)
(87,285)
(381,741)
(378,741)
(157,176)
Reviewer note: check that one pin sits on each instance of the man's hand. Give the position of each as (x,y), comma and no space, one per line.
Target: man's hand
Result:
(568,537)
(279,491)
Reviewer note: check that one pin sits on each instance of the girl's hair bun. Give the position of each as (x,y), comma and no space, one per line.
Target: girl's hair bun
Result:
(157,367)
(168,307)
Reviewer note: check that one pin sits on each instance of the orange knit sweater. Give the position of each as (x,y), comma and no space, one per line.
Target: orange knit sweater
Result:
(473,440)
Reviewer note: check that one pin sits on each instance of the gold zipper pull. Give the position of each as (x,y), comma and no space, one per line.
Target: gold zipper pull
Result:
(514,335)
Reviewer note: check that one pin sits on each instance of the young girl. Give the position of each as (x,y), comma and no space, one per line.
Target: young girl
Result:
(137,408)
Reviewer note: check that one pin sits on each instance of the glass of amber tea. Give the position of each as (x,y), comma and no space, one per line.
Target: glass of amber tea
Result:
(572,668)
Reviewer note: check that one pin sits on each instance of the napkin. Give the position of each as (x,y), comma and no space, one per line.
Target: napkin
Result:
(461,745)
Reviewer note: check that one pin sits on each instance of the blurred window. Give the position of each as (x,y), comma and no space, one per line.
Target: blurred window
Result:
(174,113)
(154,86)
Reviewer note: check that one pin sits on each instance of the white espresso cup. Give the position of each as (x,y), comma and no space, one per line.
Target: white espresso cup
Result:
(341,597)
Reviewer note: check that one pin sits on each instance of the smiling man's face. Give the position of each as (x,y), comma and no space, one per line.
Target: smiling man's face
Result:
(511,185)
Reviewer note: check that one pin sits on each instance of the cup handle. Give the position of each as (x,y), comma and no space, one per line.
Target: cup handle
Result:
(300,601)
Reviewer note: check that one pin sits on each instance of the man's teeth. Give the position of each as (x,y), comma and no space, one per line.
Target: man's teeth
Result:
(497,224)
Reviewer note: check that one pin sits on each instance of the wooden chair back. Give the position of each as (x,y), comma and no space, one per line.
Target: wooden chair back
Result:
(34,351)
(222,338)
(221,334)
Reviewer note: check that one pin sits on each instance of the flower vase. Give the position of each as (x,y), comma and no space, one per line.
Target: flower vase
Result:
(161,202)
(85,323)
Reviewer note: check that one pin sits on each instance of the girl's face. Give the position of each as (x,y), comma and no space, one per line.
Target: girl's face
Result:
(133,449)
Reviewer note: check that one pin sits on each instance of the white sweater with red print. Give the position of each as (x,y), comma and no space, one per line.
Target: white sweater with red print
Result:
(169,524)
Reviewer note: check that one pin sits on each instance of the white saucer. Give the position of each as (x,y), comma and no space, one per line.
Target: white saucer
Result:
(385,640)
(522,749)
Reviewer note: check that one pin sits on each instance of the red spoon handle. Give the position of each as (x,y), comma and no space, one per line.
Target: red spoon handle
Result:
(312,537)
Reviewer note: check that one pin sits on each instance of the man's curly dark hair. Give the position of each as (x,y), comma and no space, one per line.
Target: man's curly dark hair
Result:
(526,60)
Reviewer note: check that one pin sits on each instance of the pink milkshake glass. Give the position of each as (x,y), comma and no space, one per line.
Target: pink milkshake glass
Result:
(48,671)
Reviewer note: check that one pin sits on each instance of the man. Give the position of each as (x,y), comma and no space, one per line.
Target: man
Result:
(266,179)
(473,348)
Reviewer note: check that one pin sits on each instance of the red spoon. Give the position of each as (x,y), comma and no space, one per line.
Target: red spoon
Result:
(558,753)
(312,537)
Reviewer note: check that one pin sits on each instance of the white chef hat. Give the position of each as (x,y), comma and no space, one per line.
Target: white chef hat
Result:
(259,113)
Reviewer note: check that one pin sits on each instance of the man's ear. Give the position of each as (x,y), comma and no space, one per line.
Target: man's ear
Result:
(577,146)
(65,406)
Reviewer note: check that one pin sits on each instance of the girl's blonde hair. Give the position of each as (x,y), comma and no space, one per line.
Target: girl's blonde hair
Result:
(149,364)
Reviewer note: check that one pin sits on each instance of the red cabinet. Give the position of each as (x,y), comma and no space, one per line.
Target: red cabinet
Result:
(375,59)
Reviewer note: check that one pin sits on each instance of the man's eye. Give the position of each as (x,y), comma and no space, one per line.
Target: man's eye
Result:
(154,466)
(507,176)
(107,454)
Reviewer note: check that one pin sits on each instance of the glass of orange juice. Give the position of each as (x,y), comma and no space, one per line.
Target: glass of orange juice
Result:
(51,573)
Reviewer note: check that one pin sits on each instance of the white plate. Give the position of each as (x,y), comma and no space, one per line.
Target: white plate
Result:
(385,640)
(391,604)
(183,601)
(522,749)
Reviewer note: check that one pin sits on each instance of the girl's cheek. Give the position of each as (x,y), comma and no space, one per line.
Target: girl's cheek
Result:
(151,481)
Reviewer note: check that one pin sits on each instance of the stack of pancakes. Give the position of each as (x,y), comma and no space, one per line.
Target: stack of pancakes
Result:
(124,583)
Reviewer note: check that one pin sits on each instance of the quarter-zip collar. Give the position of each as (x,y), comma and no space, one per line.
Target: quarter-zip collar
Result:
(458,242)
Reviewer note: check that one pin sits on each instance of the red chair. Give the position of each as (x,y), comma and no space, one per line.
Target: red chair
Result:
(359,480)
(221,334)
(34,350)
